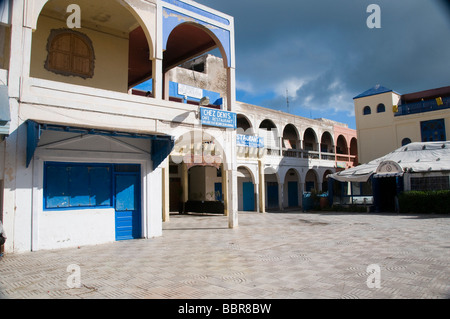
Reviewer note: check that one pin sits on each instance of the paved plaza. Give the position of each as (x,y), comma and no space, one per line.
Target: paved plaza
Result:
(289,255)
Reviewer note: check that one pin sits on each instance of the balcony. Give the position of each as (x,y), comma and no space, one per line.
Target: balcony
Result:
(423,106)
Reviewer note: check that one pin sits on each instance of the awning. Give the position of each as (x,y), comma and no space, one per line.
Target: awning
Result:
(161,146)
(418,157)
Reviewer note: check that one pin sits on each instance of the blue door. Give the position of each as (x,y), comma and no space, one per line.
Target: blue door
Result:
(249,196)
(127,206)
(292,194)
(272,194)
(218,191)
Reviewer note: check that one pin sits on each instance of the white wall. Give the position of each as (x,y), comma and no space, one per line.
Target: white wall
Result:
(69,228)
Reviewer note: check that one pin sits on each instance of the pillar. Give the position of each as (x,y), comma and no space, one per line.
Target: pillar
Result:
(184,184)
(165,192)
(224,189)
(261,190)
(232,199)
(158,79)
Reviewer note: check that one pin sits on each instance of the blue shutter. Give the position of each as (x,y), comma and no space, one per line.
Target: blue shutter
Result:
(79,181)
(100,186)
(57,186)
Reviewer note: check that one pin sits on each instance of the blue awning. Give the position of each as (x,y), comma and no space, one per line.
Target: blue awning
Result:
(161,146)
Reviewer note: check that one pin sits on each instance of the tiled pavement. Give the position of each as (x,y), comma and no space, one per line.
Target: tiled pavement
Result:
(274,255)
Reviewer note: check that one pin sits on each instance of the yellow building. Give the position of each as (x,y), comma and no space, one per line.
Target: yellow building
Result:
(387,120)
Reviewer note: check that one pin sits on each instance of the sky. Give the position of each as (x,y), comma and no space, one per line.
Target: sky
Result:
(320,54)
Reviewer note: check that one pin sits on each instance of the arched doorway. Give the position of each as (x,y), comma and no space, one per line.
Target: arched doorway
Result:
(271,189)
(325,180)
(196,174)
(311,181)
(246,190)
(292,189)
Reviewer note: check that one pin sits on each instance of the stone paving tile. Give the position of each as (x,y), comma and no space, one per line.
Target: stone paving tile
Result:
(273,255)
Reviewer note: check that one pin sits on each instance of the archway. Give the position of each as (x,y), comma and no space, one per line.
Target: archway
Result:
(311,181)
(326,146)
(291,141)
(354,150)
(341,145)
(198,164)
(325,180)
(310,142)
(269,131)
(122,44)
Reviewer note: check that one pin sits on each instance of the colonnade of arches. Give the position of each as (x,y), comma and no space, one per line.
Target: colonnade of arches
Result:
(291,141)
(277,189)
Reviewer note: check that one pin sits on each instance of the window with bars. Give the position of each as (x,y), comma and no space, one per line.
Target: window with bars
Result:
(430,183)
(70,53)
(433,130)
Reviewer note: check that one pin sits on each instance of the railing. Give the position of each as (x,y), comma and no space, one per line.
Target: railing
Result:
(422,106)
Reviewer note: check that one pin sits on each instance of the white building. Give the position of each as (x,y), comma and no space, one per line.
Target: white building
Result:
(84,157)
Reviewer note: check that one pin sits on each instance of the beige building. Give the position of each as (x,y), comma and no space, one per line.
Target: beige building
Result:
(387,120)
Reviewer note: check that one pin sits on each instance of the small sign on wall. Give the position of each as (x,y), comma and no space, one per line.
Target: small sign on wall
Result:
(218,118)
(190,91)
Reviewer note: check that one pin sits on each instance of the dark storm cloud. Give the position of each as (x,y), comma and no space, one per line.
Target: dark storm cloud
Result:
(323,52)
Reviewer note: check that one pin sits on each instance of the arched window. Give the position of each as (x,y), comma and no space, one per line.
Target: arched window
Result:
(406,141)
(366,110)
(70,53)
(381,108)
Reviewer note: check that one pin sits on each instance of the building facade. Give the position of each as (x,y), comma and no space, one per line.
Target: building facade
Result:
(386,120)
(88,157)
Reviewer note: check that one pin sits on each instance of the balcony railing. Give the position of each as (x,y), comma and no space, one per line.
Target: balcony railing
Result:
(423,106)
(251,152)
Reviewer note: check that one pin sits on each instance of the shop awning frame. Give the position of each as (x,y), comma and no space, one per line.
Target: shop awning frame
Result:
(161,146)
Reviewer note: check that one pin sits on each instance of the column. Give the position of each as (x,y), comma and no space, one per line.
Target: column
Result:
(225,189)
(184,184)
(165,192)
(232,197)
(261,185)
(158,79)
(280,196)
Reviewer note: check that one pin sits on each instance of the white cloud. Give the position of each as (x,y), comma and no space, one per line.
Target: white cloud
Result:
(292,85)
(246,86)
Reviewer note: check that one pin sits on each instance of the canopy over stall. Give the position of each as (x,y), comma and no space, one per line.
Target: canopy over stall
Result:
(412,158)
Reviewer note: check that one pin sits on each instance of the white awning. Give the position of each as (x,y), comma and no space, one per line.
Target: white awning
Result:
(414,157)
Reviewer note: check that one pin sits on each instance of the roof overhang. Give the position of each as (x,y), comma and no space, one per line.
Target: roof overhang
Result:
(161,146)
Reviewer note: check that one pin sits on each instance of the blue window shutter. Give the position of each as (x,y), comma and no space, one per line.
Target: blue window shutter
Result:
(100,186)
(57,182)
(79,181)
